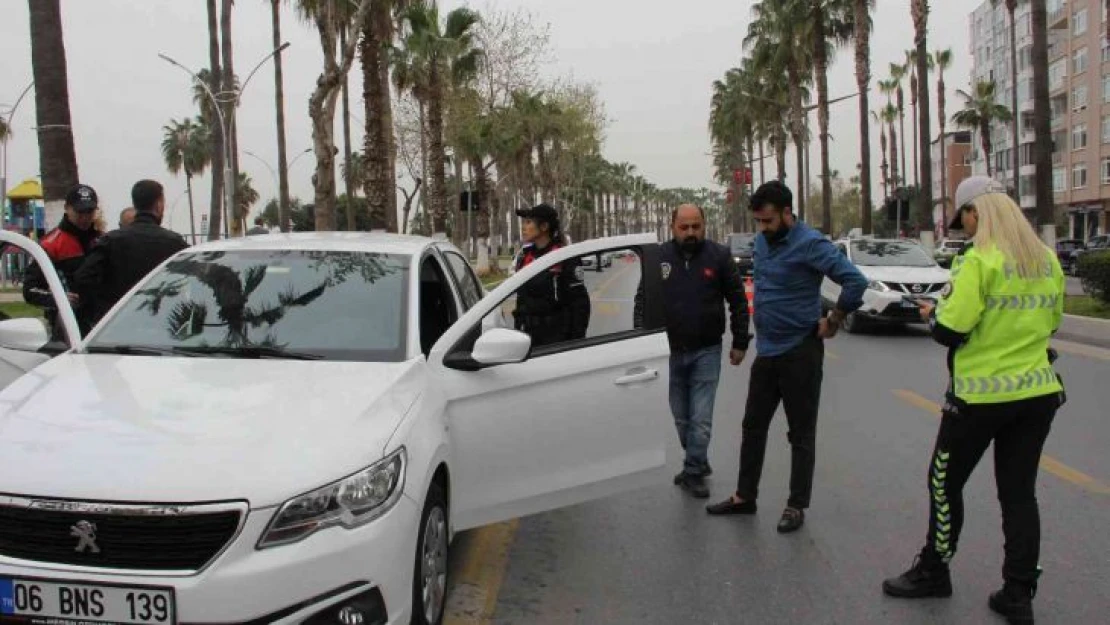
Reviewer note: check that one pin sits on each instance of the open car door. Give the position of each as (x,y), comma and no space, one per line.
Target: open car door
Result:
(23,342)
(536,428)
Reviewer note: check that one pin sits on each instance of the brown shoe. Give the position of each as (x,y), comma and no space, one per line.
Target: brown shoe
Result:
(729,507)
(792,520)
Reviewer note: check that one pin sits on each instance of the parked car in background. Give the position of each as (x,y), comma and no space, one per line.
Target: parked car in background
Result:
(947,249)
(1065,252)
(1098,243)
(895,269)
(742,245)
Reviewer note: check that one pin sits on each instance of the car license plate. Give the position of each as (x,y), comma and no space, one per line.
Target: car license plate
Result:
(41,601)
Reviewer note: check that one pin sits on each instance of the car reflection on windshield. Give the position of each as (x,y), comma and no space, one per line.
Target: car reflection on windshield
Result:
(889,254)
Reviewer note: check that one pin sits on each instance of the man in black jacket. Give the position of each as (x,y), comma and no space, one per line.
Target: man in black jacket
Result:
(121,258)
(699,277)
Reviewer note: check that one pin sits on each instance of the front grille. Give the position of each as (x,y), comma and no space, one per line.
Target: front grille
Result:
(908,287)
(149,538)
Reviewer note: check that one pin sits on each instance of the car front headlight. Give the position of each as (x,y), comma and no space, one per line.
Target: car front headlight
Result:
(350,502)
(875,285)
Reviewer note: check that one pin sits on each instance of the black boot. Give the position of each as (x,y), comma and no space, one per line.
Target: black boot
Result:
(928,577)
(1015,602)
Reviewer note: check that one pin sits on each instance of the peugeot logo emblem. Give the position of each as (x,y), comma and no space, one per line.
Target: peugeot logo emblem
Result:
(85,533)
(916,288)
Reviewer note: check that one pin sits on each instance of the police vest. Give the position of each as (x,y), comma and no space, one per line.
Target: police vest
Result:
(1008,321)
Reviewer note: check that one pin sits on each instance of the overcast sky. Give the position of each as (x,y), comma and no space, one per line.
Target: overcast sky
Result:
(652,61)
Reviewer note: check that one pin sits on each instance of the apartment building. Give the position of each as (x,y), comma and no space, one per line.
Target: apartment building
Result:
(1079,90)
(957,151)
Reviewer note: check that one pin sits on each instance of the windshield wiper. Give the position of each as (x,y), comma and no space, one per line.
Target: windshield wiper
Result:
(131,350)
(247,351)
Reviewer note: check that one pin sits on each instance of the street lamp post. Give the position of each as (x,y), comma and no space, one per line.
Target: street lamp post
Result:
(8,126)
(226,125)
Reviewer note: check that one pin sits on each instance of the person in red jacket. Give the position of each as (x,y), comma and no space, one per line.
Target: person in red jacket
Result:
(66,246)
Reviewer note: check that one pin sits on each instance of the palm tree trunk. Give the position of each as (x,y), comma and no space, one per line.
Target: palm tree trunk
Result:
(798,132)
(863,80)
(192,215)
(1011,6)
(895,182)
(376,145)
(57,156)
(279,106)
(350,216)
(1042,124)
(902,123)
(216,157)
(235,215)
(985,142)
(780,155)
(436,151)
(422,114)
(913,126)
(382,19)
(921,34)
(943,154)
(821,63)
(762,171)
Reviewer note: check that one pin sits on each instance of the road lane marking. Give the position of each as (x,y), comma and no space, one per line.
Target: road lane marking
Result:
(472,598)
(1048,463)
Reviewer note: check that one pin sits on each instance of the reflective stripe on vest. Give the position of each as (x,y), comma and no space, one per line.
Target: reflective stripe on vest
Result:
(1005,383)
(1021,302)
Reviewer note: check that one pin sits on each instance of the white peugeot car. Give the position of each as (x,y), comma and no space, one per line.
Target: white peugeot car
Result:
(897,270)
(290,428)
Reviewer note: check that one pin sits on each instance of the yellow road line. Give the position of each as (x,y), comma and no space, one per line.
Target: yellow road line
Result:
(475,587)
(1048,463)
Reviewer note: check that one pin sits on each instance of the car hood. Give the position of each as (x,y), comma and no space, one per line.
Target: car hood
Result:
(905,274)
(177,430)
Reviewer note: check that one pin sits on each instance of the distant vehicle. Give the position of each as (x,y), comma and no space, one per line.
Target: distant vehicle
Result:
(742,246)
(895,269)
(1065,252)
(1100,243)
(948,249)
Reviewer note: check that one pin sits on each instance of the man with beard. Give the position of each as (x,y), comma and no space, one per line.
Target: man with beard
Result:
(699,276)
(791,260)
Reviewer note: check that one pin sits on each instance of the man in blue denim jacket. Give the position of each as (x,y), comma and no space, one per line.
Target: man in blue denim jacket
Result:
(791,260)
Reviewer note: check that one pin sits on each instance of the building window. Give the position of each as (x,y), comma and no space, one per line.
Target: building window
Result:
(1079,176)
(1106,170)
(1106,128)
(1079,61)
(1058,180)
(1079,136)
(1106,89)
(1079,98)
(1105,51)
(1057,72)
(1079,23)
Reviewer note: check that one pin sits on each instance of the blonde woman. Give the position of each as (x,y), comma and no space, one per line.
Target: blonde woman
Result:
(996,317)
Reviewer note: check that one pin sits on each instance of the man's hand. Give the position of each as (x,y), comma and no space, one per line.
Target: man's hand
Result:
(736,356)
(926,309)
(830,325)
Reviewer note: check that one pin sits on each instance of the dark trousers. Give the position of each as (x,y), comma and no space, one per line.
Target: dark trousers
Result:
(794,378)
(1019,430)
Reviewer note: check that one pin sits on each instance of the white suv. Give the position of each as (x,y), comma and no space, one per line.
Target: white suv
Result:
(895,269)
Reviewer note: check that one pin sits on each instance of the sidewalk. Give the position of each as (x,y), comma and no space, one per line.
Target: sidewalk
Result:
(1087,330)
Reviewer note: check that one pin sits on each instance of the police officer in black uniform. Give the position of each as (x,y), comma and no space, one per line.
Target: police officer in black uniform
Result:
(554,306)
(121,258)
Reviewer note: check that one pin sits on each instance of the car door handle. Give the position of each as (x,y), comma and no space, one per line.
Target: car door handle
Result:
(637,375)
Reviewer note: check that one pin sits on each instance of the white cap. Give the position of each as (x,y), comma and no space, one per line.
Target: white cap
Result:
(969,190)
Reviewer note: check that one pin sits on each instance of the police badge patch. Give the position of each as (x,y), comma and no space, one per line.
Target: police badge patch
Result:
(666,267)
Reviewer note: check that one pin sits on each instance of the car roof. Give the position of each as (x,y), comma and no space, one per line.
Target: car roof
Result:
(369,242)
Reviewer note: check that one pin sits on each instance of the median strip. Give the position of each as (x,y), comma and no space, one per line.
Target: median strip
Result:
(483,557)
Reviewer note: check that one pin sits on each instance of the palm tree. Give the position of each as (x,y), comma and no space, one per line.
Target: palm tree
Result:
(911,67)
(862,37)
(881,121)
(355,171)
(380,179)
(831,24)
(57,157)
(1042,124)
(1011,8)
(245,195)
(897,73)
(216,139)
(279,109)
(329,17)
(446,54)
(230,85)
(920,12)
(185,147)
(979,113)
(888,88)
(943,60)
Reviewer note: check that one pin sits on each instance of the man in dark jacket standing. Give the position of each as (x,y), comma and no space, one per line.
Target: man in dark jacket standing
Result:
(66,245)
(121,258)
(791,260)
(699,277)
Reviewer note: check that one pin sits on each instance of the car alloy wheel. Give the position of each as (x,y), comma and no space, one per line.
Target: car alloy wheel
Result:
(430,578)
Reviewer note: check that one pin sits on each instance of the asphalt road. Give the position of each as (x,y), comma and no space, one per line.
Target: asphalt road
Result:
(654,556)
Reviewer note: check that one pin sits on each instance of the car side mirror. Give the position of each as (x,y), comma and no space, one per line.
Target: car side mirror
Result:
(501,346)
(25,334)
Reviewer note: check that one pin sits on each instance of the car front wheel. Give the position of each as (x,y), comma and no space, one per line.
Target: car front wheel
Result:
(429,584)
(853,324)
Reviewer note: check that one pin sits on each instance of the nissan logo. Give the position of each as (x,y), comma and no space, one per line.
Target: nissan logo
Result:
(916,288)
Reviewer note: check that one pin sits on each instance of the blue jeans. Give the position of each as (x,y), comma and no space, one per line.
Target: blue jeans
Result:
(693,389)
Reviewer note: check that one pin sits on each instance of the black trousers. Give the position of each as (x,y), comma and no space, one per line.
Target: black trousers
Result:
(1018,430)
(793,378)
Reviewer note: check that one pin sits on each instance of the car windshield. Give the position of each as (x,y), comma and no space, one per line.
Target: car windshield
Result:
(889,254)
(742,243)
(328,305)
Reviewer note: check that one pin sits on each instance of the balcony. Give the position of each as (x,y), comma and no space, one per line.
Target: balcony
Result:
(1059,18)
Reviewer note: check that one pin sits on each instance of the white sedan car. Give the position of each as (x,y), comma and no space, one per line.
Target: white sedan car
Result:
(896,270)
(290,428)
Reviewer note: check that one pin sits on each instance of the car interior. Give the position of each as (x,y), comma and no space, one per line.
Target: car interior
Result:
(438,309)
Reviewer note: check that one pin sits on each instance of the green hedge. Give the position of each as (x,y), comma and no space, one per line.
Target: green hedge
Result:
(1094,271)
